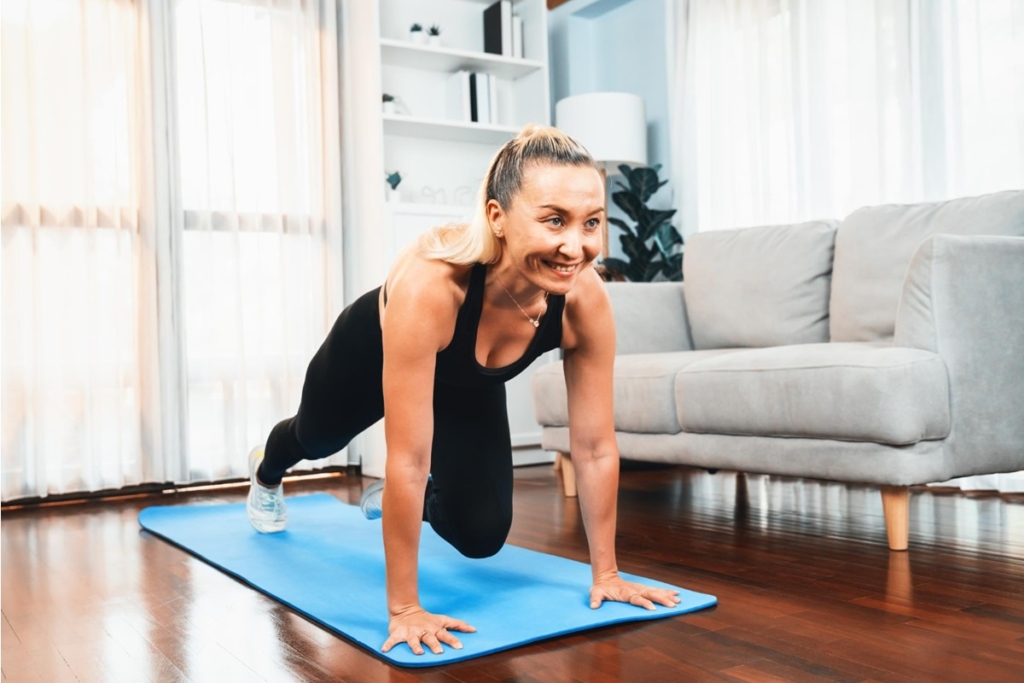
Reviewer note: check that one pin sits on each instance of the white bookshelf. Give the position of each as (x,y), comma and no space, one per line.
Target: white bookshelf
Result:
(441,129)
(449,60)
(442,161)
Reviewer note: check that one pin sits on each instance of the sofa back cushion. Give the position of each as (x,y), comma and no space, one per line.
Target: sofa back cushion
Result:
(756,287)
(874,246)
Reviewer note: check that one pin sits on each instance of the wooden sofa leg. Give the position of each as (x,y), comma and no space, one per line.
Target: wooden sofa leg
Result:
(896,506)
(564,463)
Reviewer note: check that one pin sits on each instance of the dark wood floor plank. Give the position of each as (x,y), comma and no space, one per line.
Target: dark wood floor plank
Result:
(808,591)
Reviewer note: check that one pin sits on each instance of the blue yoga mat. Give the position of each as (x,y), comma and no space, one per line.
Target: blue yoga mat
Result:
(329,566)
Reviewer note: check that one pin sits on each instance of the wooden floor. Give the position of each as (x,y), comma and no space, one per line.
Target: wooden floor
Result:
(807,592)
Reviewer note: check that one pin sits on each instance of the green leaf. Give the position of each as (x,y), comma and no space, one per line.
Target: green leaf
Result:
(624,170)
(667,238)
(643,182)
(621,225)
(629,203)
(651,271)
(615,264)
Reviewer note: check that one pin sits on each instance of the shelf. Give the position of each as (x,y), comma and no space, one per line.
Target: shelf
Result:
(454,131)
(449,60)
(425,209)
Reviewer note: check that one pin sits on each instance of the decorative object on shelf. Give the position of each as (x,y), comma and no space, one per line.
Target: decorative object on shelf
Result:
(663,258)
(434,36)
(463,196)
(388,103)
(393,179)
(613,128)
(417,35)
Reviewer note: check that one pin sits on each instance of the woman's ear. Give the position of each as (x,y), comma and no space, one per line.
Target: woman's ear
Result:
(495,218)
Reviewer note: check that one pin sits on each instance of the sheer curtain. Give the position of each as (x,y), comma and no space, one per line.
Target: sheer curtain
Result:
(257,120)
(787,110)
(790,110)
(79,326)
(171,233)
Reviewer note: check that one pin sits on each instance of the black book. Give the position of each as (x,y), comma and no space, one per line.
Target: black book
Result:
(498,28)
(474,110)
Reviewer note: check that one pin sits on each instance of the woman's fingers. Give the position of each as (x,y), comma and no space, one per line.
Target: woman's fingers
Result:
(431,641)
(640,601)
(390,643)
(458,625)
(414,644)
(449,639)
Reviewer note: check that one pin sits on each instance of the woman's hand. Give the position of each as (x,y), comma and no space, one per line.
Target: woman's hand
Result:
(616,589)
(415,626)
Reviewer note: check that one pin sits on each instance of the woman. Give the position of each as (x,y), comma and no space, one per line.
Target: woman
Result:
(459,315)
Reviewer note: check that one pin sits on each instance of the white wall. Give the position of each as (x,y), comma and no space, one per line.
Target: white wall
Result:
(616,46)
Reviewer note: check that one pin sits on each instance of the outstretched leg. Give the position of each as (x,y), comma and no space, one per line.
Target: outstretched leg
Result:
(341,397)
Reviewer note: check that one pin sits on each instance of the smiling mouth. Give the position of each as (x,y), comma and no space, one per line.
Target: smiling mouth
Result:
(562,268)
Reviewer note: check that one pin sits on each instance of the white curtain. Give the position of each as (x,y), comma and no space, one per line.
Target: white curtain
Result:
(171,233)
(788,110)
(791,110)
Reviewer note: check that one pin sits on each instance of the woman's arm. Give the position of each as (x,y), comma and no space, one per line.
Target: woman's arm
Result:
(589,363)
(419,321)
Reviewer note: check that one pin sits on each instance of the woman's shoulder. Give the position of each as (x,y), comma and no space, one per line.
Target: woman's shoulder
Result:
(426,280)
(588,311)
(588,291)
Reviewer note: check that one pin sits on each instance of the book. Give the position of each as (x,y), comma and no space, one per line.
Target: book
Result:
(474,100)
(481,88)
(459,104)
(517,36)
(498,28)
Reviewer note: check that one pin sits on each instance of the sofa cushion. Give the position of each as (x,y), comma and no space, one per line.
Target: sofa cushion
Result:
(874,246)
(644,391)
(757,287)
(852,392)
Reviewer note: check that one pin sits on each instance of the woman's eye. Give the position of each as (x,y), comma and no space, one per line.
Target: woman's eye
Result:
(593,222)
(555,220)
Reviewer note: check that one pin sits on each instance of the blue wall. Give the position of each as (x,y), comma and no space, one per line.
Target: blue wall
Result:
(616,46)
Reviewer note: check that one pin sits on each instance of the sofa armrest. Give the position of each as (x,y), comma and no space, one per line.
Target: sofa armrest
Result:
(963,298)
(650,317)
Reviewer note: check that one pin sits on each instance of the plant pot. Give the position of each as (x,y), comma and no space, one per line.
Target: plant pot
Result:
(434,41)
(389,107)
(417,37)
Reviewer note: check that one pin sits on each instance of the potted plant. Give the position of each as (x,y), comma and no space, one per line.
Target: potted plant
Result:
(434,35)
(393,179)
(416,34)
(653,248)
(388,103)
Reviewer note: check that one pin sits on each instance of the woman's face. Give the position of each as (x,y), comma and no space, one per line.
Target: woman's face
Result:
(553,230)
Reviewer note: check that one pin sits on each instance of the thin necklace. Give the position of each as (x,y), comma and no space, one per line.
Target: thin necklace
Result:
(535,321)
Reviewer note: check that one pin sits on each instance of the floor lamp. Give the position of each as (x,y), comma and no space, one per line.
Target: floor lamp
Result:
(613,128)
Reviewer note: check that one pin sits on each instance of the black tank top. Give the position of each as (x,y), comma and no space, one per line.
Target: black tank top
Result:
(457,363)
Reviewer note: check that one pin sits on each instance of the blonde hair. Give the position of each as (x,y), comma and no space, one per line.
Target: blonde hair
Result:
(474,242)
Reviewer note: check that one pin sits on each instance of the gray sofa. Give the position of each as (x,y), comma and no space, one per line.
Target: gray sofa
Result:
(887,349)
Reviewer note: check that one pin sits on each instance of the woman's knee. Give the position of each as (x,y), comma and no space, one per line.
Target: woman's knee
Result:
(478,528)
(484,538)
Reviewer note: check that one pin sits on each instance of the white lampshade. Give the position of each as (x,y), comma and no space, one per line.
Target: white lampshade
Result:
(611,125)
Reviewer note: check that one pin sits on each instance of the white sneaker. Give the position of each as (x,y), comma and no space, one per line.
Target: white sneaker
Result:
(371,502)
(265,507)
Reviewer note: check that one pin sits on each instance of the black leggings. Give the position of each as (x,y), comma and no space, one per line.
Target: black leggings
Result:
(469,500)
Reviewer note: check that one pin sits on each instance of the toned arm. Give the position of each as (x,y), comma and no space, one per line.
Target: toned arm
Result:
(418,322)
(589,346)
